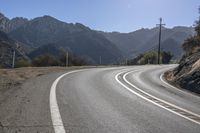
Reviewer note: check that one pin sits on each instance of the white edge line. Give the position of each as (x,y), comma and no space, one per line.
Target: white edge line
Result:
(54,109)
(161,78)
(116,78)
(124,77)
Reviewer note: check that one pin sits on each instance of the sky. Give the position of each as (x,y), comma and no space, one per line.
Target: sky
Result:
(108,15)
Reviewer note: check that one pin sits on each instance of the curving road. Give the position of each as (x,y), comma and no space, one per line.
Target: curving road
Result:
(132,99)
(124,100)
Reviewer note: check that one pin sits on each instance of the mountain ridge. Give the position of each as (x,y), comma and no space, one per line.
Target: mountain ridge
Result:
(79,39)
(139,41)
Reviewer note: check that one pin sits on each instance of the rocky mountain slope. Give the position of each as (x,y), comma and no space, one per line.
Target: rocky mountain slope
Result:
(7,46)
(187,74)
(143,40)
(8,25)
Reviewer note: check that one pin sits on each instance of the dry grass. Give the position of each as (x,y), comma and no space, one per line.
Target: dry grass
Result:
(11,77)
(21,74)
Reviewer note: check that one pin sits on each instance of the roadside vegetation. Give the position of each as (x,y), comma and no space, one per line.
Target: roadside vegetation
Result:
(46,60)
(151,58)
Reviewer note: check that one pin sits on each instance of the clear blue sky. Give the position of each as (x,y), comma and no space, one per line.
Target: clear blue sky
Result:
(107,15)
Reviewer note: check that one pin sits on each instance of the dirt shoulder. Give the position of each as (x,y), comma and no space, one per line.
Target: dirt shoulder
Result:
(13,77)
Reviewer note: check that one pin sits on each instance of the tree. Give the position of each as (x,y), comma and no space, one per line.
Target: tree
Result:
(149,58)
(166,57)
(197,25)
(190,45)
(22,63)
(135,61)
(45,60)
(73,60)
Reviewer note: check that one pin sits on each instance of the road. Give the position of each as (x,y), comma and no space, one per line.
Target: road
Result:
(105,100)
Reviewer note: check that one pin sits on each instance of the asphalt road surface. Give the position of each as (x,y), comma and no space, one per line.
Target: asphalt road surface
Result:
(132,99)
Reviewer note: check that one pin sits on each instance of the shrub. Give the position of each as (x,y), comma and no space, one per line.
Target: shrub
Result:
(45,60)
(166,57)
(22,63)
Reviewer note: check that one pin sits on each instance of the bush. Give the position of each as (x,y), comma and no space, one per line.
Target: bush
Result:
(151,58)
(73,60)
(46,60)
(192,43)
(22,63)
(166,57)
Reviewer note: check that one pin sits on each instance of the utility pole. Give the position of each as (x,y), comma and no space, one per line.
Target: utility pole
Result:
(13,60)
(99,60)
(126,61)
(67,60)
(159,42)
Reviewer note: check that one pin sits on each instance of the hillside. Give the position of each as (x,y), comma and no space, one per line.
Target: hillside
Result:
(7,46)
(51,49)
(143,40)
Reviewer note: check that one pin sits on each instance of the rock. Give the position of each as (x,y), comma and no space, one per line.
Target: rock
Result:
(187,74)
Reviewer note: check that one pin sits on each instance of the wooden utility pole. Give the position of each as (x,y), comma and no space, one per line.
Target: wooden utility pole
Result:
(99,60)
(67,60)
(159,42)
(126,61)
(13,59)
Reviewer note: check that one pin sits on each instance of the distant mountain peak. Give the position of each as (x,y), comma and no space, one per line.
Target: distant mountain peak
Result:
(19,18)
(82,26)
(48,17)
(45,18)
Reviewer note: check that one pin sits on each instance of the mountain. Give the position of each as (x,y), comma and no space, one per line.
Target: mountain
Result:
(75,38)
(128,42)
(144,40)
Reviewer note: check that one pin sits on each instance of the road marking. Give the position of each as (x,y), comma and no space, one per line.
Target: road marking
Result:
(161,78)
(54,109)
(159,102)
